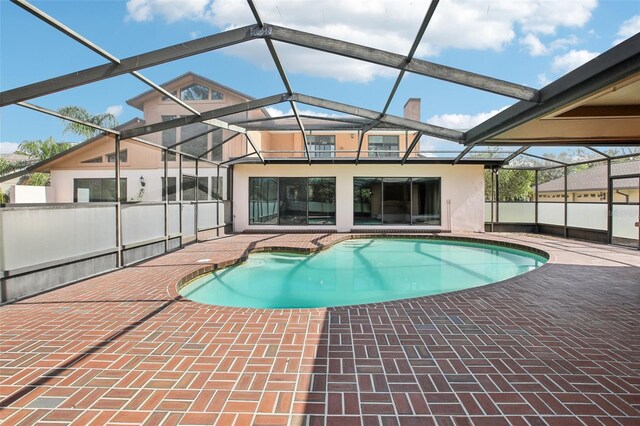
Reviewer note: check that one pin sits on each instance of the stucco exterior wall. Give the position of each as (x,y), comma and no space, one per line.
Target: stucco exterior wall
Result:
(62,181)
(346,143)
(462,192)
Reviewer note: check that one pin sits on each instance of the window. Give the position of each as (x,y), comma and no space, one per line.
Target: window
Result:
(322,201)
(169,138)
(425,201)
(173,92)
(217,188)
(98,190)
(263,201)
(216,141)
(93,160)
(188,188)
(322,145)
(197,146)
(172,189)
(169,135)
(292,201)
(203,188)
(396,201)
(111,158)
(384,146)
(195,92)
(407,201)
(216,96)
(367,201)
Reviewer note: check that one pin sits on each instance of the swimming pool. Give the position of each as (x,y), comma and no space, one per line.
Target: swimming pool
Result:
(360,271)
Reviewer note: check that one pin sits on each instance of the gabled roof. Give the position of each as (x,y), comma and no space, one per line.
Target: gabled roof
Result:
(134,122)
(138,100)
(593,178)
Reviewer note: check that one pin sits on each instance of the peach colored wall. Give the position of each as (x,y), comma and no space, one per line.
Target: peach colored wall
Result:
(139,156)
(154,108)
(345,141)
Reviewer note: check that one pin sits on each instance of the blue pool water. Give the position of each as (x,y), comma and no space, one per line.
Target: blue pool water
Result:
(359,271)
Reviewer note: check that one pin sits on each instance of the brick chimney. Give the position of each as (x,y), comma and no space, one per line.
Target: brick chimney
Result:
(412,109)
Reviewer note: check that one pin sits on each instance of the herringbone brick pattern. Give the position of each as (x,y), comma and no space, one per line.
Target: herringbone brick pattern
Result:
(557,346)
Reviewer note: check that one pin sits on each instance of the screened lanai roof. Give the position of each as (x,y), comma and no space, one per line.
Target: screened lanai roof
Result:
(595,108)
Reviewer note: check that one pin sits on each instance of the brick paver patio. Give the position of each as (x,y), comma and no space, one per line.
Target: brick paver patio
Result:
(557,346)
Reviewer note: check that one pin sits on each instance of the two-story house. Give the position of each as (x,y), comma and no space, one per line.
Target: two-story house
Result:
(333,192)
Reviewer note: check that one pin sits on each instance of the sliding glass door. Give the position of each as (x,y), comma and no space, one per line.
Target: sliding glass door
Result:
(292,201)
(396,201)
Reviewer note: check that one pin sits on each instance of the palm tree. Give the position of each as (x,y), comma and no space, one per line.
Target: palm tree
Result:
(35,151)
(39,150)
(7,166)
(103,120)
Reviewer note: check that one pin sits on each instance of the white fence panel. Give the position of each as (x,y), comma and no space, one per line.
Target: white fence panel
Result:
(35,235)
(188,220)
(142,222)
(517,212)
(589,216)
(624,220)
(207,215)
(551,213)
(174,219)
(487,212)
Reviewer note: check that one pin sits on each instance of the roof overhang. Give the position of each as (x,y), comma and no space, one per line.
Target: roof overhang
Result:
(598,103)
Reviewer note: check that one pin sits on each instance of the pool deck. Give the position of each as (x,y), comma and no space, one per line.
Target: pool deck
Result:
(557,346)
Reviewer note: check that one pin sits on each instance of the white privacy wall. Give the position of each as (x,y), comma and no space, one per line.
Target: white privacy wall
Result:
(462,185)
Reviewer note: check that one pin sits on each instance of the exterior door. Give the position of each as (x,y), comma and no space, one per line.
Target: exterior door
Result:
(625,211)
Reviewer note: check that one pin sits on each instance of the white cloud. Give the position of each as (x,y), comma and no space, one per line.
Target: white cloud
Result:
(533,45)
(462,121)
(629,28)
(275,112)
(385,24)
(571,60)
(8,147)
(545,16)
(543,80)
(170,10)
(115,110)
(563,43)
(428,143)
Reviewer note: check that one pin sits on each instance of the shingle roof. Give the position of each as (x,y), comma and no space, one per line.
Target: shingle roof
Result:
(593,178)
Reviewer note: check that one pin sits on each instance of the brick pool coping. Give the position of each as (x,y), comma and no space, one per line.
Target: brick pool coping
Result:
(556,346)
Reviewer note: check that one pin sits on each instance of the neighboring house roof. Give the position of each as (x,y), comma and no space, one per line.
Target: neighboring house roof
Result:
(13,156)
(593,178)
(138,100)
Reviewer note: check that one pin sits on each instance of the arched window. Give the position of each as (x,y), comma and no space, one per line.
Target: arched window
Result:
(194,92)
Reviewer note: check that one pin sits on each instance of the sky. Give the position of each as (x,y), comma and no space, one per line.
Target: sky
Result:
(529,42)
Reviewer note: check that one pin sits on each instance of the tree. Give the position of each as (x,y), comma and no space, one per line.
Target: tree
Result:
(106,119)
(7,166)
(39,150)
(514,185)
